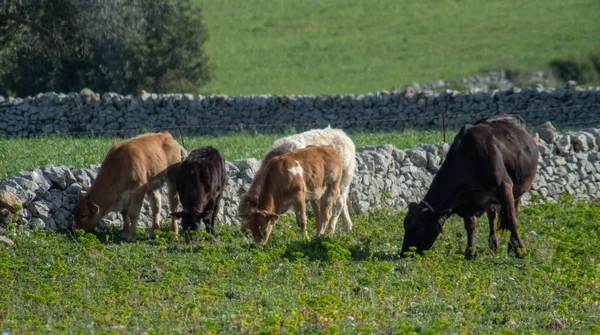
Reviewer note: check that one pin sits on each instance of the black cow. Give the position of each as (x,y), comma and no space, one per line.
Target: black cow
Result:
(488,168)
(200,185)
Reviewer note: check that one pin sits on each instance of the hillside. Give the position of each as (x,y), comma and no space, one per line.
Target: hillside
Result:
(358,46)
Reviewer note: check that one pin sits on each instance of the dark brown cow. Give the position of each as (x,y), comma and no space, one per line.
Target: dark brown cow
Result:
(488,168)
(200,185)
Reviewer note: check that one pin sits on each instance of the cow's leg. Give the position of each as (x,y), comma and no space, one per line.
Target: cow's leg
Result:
(315,205)
(345,210)
(213,217)
(344,194)
(155,205)
(173,202)
(126,225)
(470,251)
(338,208)
(508,218)
(133,213)
(209,223)
(300,208)
(327,202)
(492,212)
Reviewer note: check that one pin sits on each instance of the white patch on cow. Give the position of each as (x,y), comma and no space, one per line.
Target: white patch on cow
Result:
(330,178)
(297,170)
(310,196)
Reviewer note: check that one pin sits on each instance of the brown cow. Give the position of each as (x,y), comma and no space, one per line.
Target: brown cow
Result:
(488,168)
(130,170)
(313,174)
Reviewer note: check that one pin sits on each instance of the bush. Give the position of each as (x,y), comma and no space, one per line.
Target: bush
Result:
(118,46)
(595,59)
(572,69)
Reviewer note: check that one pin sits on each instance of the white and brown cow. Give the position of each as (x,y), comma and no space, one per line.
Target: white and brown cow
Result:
(200,186)
(336,138)
(130,170)
(310,174)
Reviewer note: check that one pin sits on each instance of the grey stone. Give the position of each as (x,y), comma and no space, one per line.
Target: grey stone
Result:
(40,209)
(417,157)
(74,189)
(61,176)
(579,142)
(83,178)
(36,176)
(13,186)
(563,145)
(399,155)
(547,132)
(8,200)
(247,164)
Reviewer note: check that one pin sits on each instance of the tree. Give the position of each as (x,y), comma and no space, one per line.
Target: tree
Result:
(109,45)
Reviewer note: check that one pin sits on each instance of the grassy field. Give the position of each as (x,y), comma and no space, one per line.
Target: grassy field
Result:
(352,283)
(358,46)
(24,154)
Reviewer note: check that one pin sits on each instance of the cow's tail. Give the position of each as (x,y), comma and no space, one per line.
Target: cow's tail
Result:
(181,137)
(502,222)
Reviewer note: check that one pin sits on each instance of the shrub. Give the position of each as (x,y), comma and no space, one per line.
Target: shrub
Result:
(572,69)
(65,45)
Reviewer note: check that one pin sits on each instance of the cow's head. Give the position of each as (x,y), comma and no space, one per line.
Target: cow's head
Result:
(190,220)
(86,213)
(422,226)
(261,224)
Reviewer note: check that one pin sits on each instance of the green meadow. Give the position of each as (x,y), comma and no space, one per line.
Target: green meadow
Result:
(358,46)
(351,283)
(24,154)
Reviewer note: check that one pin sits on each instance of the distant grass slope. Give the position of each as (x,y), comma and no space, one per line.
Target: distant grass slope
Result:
(359,46)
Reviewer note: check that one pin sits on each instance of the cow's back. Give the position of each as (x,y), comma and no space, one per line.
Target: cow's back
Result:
(201,174)
(510,137)
(137,162)
(320,137)
(318,163)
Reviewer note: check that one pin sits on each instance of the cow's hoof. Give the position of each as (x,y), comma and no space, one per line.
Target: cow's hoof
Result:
(470,255)
(515,249)
(493,245)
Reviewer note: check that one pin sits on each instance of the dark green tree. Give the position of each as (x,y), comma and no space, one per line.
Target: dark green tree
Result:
(109,45)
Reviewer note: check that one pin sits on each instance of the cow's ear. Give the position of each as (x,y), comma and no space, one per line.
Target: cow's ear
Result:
(95,208)
(205,215)
(272,217)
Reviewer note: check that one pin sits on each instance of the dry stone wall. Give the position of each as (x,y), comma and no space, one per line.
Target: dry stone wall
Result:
(384,177)
(112,114)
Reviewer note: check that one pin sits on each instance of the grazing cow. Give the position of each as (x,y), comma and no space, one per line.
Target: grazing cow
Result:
(200,187)
(328,136)
(130,170)
(313,174)
(488,168)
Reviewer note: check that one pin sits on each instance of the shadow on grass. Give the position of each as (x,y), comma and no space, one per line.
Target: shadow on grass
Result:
(326,249)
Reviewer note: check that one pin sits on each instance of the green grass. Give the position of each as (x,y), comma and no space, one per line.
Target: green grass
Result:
(359,46)
(24,154)
(352,283)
